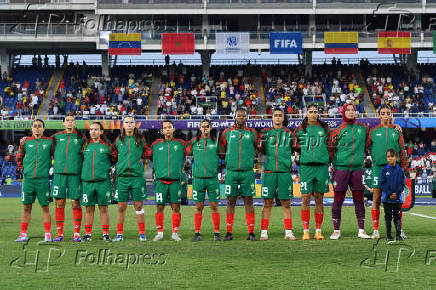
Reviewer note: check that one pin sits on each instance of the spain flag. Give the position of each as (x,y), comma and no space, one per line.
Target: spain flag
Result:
(344,42)
(394,42)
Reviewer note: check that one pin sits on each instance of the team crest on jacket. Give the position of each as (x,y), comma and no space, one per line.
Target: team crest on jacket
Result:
(44,146)
(76,141)
(101,149)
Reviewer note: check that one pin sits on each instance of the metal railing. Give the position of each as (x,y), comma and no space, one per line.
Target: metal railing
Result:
(198,117)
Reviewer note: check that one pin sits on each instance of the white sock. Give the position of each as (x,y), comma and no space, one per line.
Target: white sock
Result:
(288,232)
(160,234)
(361,231)
(317,230)
(306,231)
(264,232)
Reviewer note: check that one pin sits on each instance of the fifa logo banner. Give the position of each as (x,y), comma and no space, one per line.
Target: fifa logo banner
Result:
(232,42)
(286,43)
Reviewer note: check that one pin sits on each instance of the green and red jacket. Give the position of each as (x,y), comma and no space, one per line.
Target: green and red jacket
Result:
(206,158)
(98,157)
(380,140)
(168,158)
(276,145)
(34,157)
(67,152)
(130,164)
(313,144)
(239,147)
(347,146)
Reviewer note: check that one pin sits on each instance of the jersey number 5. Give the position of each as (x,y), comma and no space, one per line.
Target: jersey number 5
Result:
(375,180)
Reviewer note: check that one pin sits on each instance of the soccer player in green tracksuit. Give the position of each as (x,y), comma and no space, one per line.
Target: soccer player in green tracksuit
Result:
(311,139)
(204,148)
(34,158)
(277,179)
(98,156)
(132,148)
(239,144)
(168,156)
(347,150)
(380,139)
(66,180)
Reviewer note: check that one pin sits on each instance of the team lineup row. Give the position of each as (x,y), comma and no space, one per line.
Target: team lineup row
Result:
(82,172)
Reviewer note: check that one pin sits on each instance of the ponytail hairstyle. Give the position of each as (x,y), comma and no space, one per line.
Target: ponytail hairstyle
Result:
(139,138)
(384,106)
(321,123)
(39,120)
(103,137)
(285,116)
(80,133)
(199,134)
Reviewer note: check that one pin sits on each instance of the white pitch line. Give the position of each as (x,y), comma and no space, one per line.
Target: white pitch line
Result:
(424,216)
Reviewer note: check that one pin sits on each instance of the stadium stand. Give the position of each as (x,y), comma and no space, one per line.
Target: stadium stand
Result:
(184,91)
(405,93)
(330,87)
(84,91)
(23,91)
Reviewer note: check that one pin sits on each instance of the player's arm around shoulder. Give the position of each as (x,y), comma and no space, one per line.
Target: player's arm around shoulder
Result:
(21,152)
(222,143)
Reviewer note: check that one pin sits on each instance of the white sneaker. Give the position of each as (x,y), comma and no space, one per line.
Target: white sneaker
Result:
(375,235)
(158,237)
(176,237)
(263,235)
(290,236)
(403,234)
(336,235)
(47,238)
(363,235)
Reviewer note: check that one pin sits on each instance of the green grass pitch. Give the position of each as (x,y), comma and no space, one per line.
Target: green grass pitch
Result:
(277,263)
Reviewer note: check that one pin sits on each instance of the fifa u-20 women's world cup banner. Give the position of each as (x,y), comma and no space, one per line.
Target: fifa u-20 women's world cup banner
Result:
(216,124)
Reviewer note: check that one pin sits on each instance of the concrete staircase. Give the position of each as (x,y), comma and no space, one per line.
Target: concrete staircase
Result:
(257,80)
(155,91)
(51,91)
(368,107)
